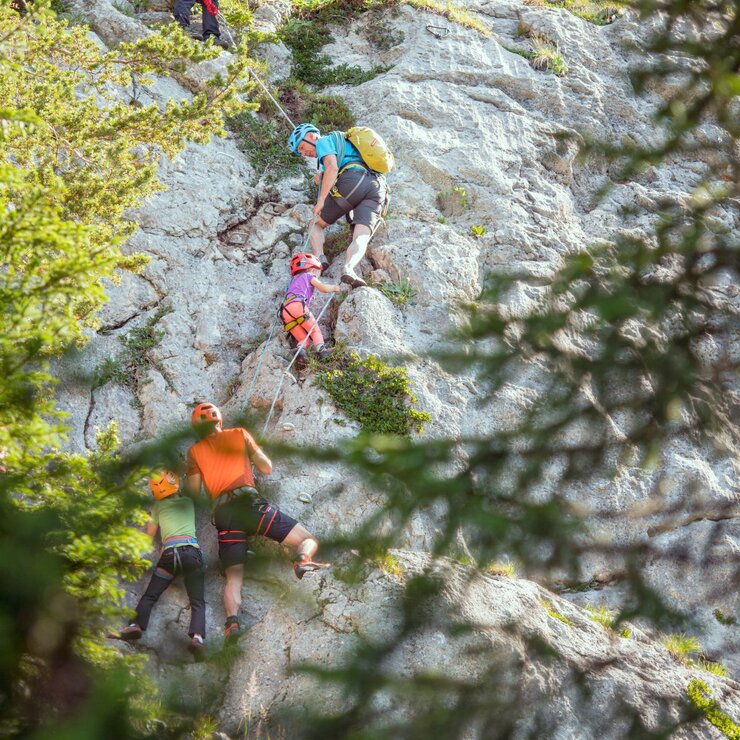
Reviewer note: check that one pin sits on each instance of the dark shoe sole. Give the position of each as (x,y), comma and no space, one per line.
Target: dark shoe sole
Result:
(354,282)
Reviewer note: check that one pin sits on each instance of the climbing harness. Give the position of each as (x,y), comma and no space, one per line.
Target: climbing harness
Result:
(301,346)
(445,31)
(297,320)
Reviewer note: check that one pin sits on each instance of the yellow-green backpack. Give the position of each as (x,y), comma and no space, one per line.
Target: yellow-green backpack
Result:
(373,150)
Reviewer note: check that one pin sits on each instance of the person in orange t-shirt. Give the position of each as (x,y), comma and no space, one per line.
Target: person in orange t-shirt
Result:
(222,463)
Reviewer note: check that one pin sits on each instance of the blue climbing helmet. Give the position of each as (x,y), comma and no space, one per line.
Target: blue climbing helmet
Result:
(299,134)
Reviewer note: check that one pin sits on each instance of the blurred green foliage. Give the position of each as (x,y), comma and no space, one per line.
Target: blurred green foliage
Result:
(77,151)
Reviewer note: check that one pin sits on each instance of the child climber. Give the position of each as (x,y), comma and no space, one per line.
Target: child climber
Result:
(294,311)
(175,516)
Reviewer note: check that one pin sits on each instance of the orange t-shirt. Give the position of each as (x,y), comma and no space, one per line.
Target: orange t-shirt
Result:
(223,460)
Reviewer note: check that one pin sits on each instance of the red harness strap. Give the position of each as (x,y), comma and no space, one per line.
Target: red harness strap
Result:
(211,7)
(237,535)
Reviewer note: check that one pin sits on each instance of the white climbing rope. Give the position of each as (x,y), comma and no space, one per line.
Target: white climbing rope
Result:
(269,95)
(295,357)
(277,316)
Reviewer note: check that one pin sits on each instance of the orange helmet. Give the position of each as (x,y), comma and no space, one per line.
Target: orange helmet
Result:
(303,261)
(206,413)
(164,484)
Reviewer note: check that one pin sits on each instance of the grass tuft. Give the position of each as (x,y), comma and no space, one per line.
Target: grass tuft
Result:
(401,293)
(681,646)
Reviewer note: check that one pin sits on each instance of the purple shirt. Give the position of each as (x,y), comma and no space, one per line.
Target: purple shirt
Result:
(301,286)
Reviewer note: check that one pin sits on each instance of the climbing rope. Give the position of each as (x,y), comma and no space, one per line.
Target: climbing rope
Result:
(269,95)
(277,316)
(295,357)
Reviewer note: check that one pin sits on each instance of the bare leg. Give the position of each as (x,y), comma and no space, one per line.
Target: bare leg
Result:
(356,250)
(318,236)
(302,541)
(233,589)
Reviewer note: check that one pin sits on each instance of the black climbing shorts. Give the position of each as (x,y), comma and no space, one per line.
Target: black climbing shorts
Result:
(364,199)
(245,517)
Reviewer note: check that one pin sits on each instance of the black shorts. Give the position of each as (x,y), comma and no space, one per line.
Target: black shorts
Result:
(364,201)
(244,517)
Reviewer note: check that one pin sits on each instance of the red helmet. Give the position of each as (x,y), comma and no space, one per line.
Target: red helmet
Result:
(206,413)
(303,261)
(164,484)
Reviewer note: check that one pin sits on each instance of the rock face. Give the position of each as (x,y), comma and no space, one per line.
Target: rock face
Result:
(461,111)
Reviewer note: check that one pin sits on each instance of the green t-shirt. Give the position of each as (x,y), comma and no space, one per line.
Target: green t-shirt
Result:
(175,516)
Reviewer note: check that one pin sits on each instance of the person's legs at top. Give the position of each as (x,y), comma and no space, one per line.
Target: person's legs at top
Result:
(182,11)
(210,22)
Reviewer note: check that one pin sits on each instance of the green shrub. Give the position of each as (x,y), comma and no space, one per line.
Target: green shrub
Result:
(305,39)
(329,113)
(265,141)
(478,231)
(727,619)
(700,696)
(131,367)
(372,393)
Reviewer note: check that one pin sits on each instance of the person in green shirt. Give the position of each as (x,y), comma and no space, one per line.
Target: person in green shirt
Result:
(175,516)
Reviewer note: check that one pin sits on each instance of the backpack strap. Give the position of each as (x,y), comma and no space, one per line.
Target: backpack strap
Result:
(341,144)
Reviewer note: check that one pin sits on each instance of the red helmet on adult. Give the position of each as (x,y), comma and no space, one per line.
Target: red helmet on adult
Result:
(303,261)
(206,413)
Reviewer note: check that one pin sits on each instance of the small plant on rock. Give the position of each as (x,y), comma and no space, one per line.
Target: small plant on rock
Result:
(401,292)
(681,646)
(453,202)
(727,619)
(498,568)
(555,614)
(478,231)
(546,57)
(712,667)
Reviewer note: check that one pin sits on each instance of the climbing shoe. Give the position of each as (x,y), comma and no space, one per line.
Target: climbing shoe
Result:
(322,351)
(232,630)
(324,263)
(350,277)
(304,565)
(197,647)
(131,633)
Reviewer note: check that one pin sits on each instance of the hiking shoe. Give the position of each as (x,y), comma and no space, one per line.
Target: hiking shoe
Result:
(197,647)
(218,41)
(350,277)
(131,633)
(306,565)
(232,630)
(322,351)
(324,263)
